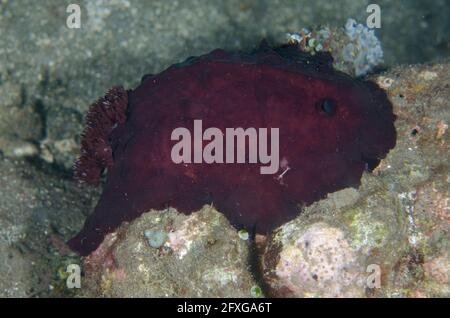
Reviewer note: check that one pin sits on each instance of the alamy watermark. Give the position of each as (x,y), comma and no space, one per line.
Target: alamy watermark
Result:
(374,278)
(73,20)
(231,150)
(373,21)
(74,278)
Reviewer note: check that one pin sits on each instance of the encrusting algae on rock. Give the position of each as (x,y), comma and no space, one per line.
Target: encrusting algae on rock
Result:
(202,256)
(393,228)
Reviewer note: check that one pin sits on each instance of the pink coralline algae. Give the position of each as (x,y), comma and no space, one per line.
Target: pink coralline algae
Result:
(331,128)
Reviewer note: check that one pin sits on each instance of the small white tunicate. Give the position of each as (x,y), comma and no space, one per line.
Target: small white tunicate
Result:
(243,235)
(155,238)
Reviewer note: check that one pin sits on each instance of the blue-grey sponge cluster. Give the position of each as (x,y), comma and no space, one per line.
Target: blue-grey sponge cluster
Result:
(355,48)
(364,49)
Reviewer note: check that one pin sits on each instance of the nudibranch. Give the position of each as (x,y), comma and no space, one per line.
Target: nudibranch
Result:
(329,129)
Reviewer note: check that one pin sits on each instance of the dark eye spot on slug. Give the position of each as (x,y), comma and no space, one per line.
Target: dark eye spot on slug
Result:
(327,106)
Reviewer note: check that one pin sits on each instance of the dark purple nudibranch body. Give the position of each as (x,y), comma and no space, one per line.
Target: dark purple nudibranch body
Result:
(331,128)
